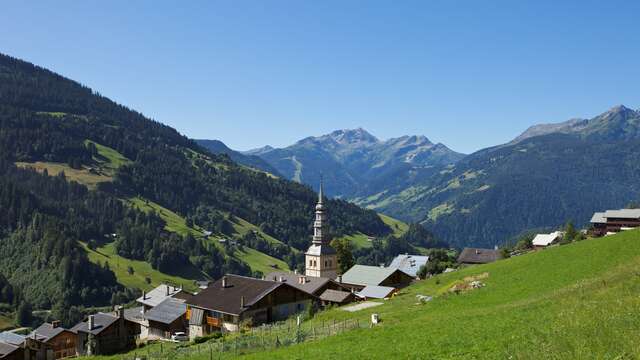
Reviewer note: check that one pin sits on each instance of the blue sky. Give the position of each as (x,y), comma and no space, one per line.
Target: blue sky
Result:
(469,74)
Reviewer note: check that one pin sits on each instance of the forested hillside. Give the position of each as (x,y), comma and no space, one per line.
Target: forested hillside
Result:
(50,126)
(544,178)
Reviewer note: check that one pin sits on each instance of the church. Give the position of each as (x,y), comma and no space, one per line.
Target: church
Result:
(321,259)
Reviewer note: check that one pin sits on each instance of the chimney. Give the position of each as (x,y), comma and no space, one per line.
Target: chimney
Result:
(167,291)
(295,271)
(144,295)
(282,279)
(121,312)
(224,282)
(55,324)
(242,302)
(340,278)
(91,322)
(477,252)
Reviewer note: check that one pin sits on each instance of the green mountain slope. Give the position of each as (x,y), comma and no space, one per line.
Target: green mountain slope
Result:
(541,180)
(218,147)
(78,168)
(578,301)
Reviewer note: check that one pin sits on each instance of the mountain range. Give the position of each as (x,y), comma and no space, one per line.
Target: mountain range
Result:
(354,162)
(546,176)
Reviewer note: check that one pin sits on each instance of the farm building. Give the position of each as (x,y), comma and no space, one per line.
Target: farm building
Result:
(612,221)
(234,300)
(543,240)
(167,318)
(105,333)
(315,286)
(157,295)
(62,341)
(361,276)
(409,264)
(376,292)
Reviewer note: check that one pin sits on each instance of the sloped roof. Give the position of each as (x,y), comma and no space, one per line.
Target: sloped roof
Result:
(227,299)
(376,292)
(335,296)
(546,239)
(101,321)
(158,295)
(46,332)
(167,311)
(10,338)
(623,214)
(479,256)
(7,349)
(321,250)
(311,285)
(598,218)
(409,264)
(367,275)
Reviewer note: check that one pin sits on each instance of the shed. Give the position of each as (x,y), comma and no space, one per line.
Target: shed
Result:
(376,292)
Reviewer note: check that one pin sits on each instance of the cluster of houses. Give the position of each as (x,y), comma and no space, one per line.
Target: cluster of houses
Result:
(614,221)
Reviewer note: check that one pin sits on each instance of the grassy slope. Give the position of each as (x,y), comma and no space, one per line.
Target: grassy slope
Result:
(82,176)
(360,240)
(6,322)
(574,301)
(142,269)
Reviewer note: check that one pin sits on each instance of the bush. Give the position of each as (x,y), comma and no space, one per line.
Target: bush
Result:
(203,339)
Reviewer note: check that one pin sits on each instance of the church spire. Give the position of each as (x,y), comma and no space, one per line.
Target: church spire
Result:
(321,191)
(319,225)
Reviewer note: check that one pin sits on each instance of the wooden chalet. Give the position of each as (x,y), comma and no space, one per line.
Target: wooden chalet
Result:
(316,286)
(472,256)
(613,221)
(361,276)
(236,300)
(167,318)
(61,340)
(106,333)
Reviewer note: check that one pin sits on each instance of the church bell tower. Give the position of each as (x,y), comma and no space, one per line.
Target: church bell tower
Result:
(321,259)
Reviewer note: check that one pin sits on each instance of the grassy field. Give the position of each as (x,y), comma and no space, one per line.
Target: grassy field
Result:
(82,176)
(579,301)
(6,322)
(259,261)
(360,240)
(110,159)
(174,222)
(142,270)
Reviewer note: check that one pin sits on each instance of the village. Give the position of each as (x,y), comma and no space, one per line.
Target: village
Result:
(235,303)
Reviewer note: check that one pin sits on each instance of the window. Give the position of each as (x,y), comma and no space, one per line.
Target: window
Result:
(325,264)
(310,262)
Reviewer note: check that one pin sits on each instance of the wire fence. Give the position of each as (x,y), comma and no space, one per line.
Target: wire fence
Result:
(265,337)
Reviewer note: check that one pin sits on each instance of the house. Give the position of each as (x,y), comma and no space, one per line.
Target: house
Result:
(105,333)
(336,297)
(62,341)
(471,256)
(543,240)
(361,276)
(11,352)
(376,292)
(167,318)
(157,295)
(315,286)
(410,264)
(234,300)
(612,221)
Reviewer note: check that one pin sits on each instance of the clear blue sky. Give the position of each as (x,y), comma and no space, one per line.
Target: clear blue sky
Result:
(469,74)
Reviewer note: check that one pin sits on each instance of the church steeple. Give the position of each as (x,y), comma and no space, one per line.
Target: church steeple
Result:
(321,259)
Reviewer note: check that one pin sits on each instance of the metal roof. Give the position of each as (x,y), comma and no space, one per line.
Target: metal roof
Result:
(167,311)
(335,296)
(623,214)
(46,332)
(409,264)
(367,275)
(7,349)
(11,338)
(598,218)
(376,292)
(546,239)
(158,295)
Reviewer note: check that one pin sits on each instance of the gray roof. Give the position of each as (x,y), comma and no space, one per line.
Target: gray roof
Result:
(376,292)
(311,284)
(7,349)
(598,218)
(623,214)
(321,250)
(46,332)
(158,295)
(135,314)
(101,321)
(335,296)
(367,275)
(409,264)
(167,311)
(11,338)
(479,256)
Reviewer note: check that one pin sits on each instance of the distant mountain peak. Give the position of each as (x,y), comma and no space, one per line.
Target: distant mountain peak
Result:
(352,136)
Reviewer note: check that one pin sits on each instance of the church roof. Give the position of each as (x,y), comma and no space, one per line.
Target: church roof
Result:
(320,250)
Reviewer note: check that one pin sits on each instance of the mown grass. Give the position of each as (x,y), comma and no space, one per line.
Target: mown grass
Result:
(570,302)
(141,270)
(360,240)
(110,159)
(259,261)
(82,176)
(174,222)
